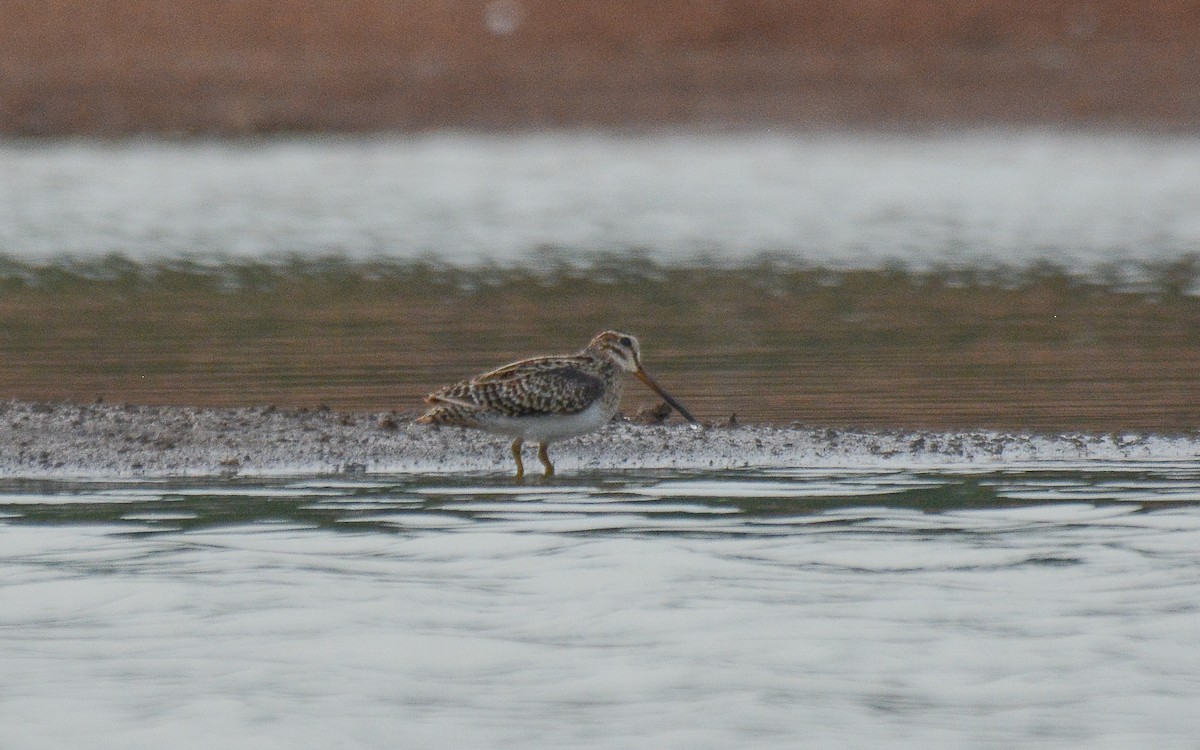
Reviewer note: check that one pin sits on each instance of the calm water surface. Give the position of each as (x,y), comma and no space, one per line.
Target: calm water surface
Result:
(1076,197)
(1049,607)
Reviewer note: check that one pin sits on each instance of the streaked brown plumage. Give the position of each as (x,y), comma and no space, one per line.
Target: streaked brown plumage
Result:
(547,398)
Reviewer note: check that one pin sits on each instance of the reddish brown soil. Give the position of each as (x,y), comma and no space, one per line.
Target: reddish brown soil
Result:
(239,66)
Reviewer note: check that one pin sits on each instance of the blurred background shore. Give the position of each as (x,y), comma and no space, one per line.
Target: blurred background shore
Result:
(115,67)
(925,214)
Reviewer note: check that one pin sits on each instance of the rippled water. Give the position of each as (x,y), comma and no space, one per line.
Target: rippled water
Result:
(1047,607)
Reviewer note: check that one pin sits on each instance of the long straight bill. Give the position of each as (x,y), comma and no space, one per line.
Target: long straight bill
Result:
(645,378)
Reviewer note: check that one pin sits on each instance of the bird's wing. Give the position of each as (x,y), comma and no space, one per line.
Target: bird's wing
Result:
(524,368)
(541,386)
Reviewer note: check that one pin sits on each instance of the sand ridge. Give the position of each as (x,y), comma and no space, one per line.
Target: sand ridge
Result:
(108,440)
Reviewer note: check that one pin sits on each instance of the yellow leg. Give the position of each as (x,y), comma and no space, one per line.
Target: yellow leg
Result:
(516,451)
(544,457)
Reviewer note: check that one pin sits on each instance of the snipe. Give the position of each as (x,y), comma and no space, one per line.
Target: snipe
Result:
(545,399)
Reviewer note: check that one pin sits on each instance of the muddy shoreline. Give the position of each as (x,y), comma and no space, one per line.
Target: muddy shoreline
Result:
(103,440)
(1040,349)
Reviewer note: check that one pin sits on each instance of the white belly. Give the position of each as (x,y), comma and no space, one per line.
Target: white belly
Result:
(546,428)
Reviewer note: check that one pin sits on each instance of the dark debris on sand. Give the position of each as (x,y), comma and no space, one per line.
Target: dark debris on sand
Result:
(106,439)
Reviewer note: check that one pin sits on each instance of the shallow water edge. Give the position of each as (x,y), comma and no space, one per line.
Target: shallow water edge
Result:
(759,608)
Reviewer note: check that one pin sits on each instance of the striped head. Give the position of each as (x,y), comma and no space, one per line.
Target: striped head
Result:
(624,351)
(621,348)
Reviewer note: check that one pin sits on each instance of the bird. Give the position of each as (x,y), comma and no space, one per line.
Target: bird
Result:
(549,398)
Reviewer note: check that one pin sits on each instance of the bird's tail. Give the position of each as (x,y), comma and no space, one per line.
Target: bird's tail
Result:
(450,411)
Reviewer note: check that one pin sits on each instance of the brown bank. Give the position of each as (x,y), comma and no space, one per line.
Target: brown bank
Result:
(241,66)
(1009,349)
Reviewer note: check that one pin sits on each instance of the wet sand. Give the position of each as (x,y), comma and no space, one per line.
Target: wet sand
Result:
(1039,349)
(64,439)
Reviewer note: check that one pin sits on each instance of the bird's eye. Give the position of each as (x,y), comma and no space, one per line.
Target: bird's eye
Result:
(626,341)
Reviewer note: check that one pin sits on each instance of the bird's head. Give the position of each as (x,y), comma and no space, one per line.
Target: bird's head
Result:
(625,351)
